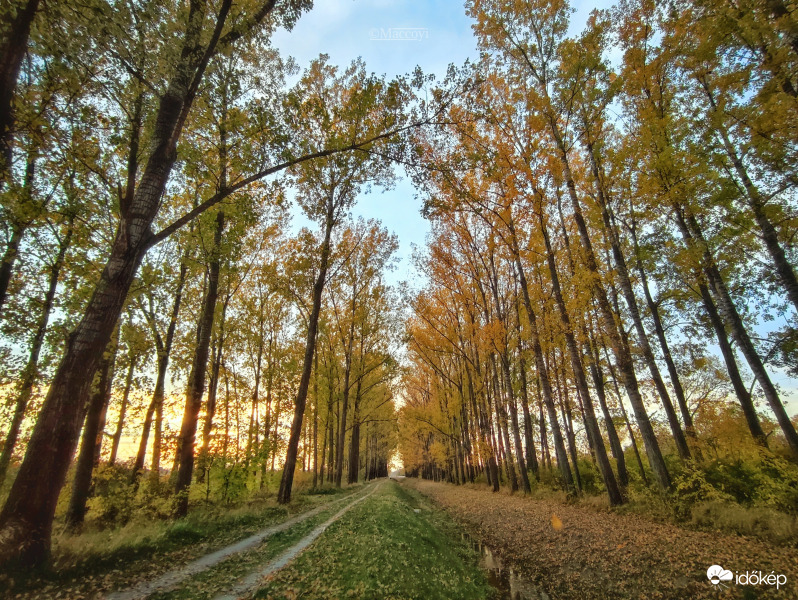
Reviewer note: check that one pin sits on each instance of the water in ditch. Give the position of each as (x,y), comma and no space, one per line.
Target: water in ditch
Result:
(511,585)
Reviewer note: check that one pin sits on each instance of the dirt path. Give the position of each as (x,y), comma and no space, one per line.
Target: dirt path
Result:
(585,554)
(251,582)
(173,578)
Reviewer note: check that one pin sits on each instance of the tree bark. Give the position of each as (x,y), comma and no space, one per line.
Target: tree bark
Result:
(12,51)
(122,409)
(287,480)
(591,423)
(623,357)
(92,434)
(30,373)
(196,378)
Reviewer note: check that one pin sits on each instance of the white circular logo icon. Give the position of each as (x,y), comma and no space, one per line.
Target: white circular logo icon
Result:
(716,574)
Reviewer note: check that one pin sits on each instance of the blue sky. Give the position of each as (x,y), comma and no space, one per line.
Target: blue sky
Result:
(344,29)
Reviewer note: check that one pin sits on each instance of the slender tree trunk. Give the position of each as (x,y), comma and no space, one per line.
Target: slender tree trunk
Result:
(339,448)
(316,420)
(663,343)
(287,480)
(623,357)
(120,423)
(756,202)
(589,413)
(354,444)
(626,418)
(504,434)
(598,382)
(565,410)
(29,374)
(196,378)
(9,258)
(12,51)
(529,434)
(740,390)
(559,443)
(625,284)
(213,386)
(544,440)
(210,407)
(740,335)
(92,432)
(155,408)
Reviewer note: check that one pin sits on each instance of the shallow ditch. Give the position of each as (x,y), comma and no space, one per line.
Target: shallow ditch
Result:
(510,584)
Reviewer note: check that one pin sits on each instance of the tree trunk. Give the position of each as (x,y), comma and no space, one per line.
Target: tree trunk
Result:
(213,386)
(12,51)
(316,421)
(27,516)
(196,378)
(9,258)
(623,357)
(155,408)
(631,303)
(287,480)
(544,440)
(122,409)
(663,342)
(529,433)
(740,335)
(76,511)
(591,423)
(757,205)
(354,444)
(626,418)
(30,372)
(537,351)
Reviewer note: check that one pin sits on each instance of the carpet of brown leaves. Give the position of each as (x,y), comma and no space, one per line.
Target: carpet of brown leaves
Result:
(576,552)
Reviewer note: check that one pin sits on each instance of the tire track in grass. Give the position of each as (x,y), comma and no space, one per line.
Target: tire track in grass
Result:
(251,582)
(171,579)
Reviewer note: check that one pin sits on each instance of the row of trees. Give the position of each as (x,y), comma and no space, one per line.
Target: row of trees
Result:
(147,250)
(593,225)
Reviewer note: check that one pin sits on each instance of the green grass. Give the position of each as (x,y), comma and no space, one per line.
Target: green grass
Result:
(383,549)
(84,562)
(227,573)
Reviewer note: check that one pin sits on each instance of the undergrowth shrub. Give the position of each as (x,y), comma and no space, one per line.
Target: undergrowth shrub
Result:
(691,487)
(763,523)
(114,499)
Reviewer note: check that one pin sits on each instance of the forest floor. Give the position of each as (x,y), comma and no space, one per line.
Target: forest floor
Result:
(383,541)
(93,563)
(565,551)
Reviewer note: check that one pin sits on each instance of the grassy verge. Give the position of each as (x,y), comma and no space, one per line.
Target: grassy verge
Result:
(99,559)
(228,572)
(383,548)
